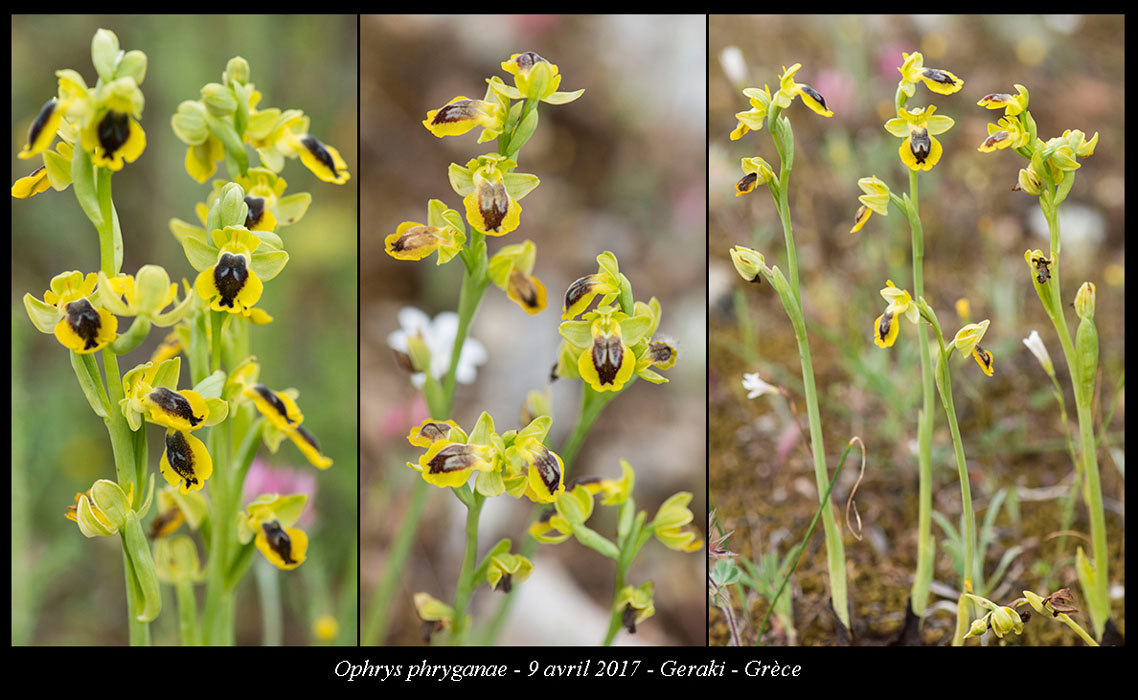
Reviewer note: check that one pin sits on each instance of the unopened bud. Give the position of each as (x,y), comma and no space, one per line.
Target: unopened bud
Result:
(1085,302)
(218,99)
(748,263)
(236,69)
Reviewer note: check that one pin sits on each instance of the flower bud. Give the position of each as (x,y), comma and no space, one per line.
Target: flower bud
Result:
(189,123)
(105,53)
(101,512)
(748,263)
(218,99)
(1035,600)
(419,353)
(1029,182)
(153,285)
(1085,302)
(979,626)
(233,210)
(1004,620)
(109,497)
(236,69)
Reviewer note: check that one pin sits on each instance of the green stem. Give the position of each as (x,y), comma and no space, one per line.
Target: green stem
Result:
(782,202)
(615,617)
(187,614)
(466,582)
(106,230)
(139,631)
(1066,619)
(269,590)
(835,552)
(215,320)
(746,327)
(474,283)
(592,403)
(944,383)
(1072,494)
(922,579)
(220,522)
(1098,599)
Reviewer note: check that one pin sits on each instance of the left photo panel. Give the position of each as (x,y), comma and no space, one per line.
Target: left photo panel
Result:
(184,330)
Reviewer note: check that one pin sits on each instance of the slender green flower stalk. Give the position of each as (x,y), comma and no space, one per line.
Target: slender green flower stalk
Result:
(919,151)
(1035,345)
(967,341)
(235,253)
(768,108)
(1050,175)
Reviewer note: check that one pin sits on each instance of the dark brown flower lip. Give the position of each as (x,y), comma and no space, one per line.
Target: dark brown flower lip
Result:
(180,457)
(321,153)
(174,404)
(279,541)
(455,112)
(816,95)
(41,121)
(938,76)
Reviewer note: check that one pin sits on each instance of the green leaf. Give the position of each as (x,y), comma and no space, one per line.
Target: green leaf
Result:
(525,130)
(91,383)
(83,180)
(138,550)
(225,133)
(1086,354)
(595,541)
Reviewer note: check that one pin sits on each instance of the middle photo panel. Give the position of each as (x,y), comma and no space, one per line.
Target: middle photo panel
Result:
(533,330)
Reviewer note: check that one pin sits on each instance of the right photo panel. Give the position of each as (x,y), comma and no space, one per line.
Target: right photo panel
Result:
(916,272)
(532,330)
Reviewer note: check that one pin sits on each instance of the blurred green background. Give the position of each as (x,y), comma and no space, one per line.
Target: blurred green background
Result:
(976,231)
(68,589)
(621,169)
